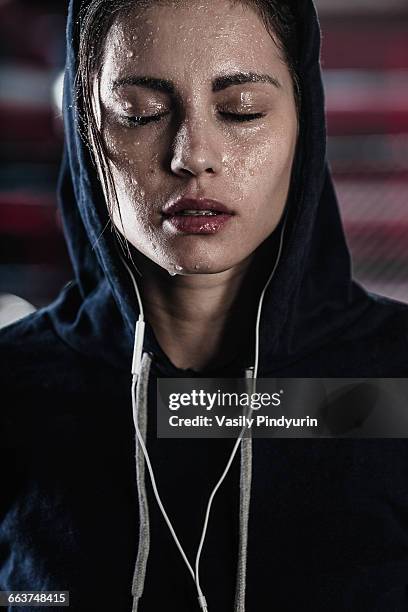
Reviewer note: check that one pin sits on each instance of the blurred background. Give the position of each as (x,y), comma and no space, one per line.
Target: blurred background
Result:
(365,62)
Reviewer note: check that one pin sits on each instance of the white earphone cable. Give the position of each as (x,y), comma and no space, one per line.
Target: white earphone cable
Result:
(136,363)
(261,299)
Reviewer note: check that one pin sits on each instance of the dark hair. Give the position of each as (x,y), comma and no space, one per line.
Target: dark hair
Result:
(95,20)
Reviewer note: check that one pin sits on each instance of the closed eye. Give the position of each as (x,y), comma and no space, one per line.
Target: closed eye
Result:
(241,117)
(143,119)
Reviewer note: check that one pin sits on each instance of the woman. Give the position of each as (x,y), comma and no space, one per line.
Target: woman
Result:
(206,151)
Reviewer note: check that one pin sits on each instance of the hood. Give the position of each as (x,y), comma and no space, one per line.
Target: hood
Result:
(311,297)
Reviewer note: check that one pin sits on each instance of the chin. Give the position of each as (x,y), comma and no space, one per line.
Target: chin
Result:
(192,261)
(192,256)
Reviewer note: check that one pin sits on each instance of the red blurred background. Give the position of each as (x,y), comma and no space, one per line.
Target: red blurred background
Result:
(365,62)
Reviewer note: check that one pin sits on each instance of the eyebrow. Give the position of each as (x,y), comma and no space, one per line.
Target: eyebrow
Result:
(238,78)
(146,81)
(218,84)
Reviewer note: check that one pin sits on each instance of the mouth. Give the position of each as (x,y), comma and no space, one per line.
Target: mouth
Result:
(197,216)
(196,207)
(198,213)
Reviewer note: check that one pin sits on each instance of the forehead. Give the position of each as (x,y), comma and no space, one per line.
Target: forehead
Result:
(194,39)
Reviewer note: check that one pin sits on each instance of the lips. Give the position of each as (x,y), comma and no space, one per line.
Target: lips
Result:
(195,206)
(197,216)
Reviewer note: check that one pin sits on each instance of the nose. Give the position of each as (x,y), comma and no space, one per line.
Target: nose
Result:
(195,150)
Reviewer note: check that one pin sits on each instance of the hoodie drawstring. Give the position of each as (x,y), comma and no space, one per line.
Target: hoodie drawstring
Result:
(139,573)
(244,501)
(140,409)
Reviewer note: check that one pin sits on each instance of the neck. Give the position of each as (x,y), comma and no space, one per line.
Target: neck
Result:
(200,319)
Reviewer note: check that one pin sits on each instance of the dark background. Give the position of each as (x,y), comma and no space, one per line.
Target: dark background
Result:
(365,61)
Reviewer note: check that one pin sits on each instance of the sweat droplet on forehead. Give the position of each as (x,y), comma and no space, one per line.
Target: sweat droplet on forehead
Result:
(142,31)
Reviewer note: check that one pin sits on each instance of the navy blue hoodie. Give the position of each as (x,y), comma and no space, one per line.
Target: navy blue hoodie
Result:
(328,519)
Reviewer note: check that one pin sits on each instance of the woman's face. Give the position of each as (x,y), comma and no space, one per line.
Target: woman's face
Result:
(194,101)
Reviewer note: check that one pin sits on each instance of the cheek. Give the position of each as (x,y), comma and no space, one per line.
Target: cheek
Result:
(134,211)
(262,170)
(131,165)
(275,167)
(132,214)
(123,149)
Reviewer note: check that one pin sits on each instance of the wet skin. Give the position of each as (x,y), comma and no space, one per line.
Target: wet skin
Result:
(195,100)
